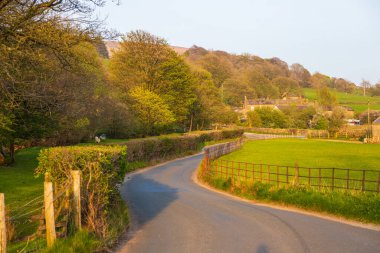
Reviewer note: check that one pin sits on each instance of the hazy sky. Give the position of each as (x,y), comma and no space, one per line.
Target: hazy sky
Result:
(340,38)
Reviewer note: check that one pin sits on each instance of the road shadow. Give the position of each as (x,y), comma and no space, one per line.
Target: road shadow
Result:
(146,197)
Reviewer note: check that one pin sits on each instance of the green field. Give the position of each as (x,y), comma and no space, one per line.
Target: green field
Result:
(18,181)
(356,101)
(284,155)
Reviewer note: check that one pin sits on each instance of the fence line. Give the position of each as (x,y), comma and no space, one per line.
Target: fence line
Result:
(320,178)
(346,132)
(52,210)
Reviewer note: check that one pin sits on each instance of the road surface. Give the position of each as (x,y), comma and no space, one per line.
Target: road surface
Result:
(171,213)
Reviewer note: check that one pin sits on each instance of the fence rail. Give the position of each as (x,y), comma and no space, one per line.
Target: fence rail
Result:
(320,178)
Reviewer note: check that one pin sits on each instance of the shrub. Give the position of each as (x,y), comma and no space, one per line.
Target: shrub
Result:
(164,147)
(102,170)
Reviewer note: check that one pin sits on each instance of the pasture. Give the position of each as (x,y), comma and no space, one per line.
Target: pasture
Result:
(357,102)
(311,162)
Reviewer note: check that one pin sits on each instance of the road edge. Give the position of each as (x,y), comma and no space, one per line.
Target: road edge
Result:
(277,206)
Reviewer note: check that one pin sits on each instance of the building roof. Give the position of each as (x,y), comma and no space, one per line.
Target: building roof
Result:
(377,121)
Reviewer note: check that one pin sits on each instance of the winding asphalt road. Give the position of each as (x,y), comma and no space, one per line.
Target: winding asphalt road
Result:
(171,213)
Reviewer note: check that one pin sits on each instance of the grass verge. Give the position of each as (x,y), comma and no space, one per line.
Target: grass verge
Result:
(363,207)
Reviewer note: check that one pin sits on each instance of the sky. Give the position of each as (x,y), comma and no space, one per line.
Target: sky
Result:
(340,38)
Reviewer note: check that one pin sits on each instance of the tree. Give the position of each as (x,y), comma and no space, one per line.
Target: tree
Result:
(263,87)
(375,90)
(254,119)
(40,65)
(299,117)
(325,97)
(146,61)
(236,88)
(287,86)
(344,85)
(319,80)
(218,66)
(300,73)
(336,120)
(208,108)
(320,122)
(151,109)
(272,118)
(366,85)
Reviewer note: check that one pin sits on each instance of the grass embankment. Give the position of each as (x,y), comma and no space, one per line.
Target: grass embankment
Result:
(356,101)
(354,205)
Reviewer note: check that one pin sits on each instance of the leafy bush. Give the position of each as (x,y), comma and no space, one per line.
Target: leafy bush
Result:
(102,168)
(164,147)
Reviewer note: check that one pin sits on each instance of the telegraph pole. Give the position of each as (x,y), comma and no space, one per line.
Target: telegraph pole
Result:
(368,121)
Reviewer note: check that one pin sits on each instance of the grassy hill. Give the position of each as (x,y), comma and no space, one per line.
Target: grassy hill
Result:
(356,101)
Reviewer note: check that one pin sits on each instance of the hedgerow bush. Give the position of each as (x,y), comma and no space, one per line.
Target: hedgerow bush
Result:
(164,147)
(102,170)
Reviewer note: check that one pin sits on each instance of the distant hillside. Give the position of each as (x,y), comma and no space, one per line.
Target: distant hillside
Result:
(246,75)
(357,102)
(111,46)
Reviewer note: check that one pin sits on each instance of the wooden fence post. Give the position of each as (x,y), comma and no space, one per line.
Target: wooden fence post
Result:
(296,174)
(76,174)
(49,213)
(3,228)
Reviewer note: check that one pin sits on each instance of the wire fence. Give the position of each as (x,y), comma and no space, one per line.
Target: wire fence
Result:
(27,222)
(319,178)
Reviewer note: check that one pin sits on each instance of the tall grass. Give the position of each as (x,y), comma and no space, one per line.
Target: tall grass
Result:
(363,207)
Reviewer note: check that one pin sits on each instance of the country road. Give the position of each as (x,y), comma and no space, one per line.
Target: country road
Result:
(171,213)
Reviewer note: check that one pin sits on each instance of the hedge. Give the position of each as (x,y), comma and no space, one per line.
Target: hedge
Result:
(102,170)
(164,147)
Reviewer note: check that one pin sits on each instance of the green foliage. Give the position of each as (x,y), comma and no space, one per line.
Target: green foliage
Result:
(254,119)
(325,97)
(151,109)
(336,120)
(272,118)
(320,122)
(165,147)
(209,108)
(300,118)
(102,169)
(81,242)
(147,62)
(287,86)
(263,86)
(219,67)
